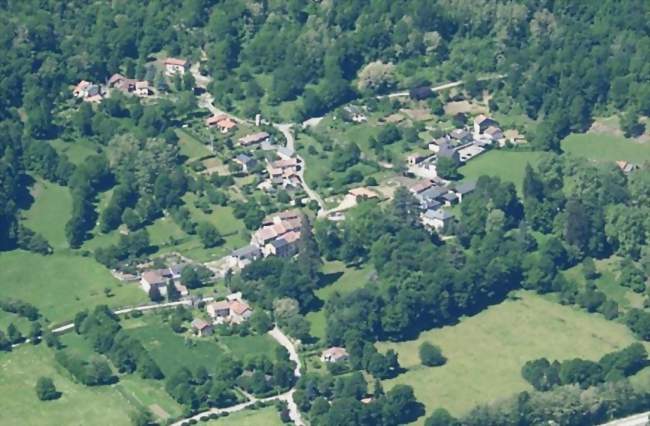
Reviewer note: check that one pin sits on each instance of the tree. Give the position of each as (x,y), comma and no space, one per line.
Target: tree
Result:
(13,334)
(209,235)
(172,292)
(45,389)
(630,124)
(141,417)
(377,77)
(154,294)
(195,276)
(441,417)
(260,321)
(447,168)
(431,355)
(83,119)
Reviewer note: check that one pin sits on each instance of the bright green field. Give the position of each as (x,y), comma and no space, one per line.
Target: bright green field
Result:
(49,213)
(191,147)
(267,416)
(61,284)
(486,352)
(167,347)
(345,280)
(508,165)
(606,147)
(79,405)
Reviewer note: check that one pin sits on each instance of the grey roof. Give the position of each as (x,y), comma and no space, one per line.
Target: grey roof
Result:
(244,158)
(279,243)
(465,187)
(177,268)
(432,193)
(247,251)
(460,134)
(446,150)
(442,214)
(450,196)
(286,151)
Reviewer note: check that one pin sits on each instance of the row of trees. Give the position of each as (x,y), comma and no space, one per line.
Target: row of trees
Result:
(544,375)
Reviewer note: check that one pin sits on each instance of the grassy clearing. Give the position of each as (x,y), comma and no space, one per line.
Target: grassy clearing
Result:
(49,213)
(606,147)
(190,146)
(338,278)
(267,416)
(167,347)
(507,165)
(606,282)
(78,404)
(486,352)
(61,284)
(76,151)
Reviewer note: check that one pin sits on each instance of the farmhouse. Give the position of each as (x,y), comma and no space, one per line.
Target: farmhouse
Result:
(284,246)
(254,139)
(87,91)
(481,124)
(176,66)
(436,219)
(233,310)
(246,162)
(334,354)
(284,226)
(150,279)
(201,327)
(142,89)
(245,255)
(463,189)
(221,122)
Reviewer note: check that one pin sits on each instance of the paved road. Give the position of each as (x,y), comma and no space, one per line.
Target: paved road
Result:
(440,87)
(642,419)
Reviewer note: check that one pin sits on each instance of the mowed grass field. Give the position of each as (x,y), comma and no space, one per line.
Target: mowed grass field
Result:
(79,405)
(486,352)
(61,284)
(507,165)
(606,147)
(267,416)
(339,278)
(49,213)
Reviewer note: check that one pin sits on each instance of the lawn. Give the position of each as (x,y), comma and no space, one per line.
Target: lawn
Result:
(508,165)
(191,147)
(486,352)
(606,147)
(76,151)
(267,416)
(167,347)
(49,213)
(78,404)
(61,284)
(341,278)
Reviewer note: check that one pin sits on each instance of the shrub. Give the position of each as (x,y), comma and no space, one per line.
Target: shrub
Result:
(431,355)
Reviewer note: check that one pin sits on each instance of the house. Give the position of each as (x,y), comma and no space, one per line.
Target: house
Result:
(354,113)
(435,144)
(254,139)
(283,246)
(245,255)
(286,167)
(461,135)
(463,189)
(414,159)
(115,80)
(175,270)
(334,354)
(470,151)
(151,279)
(285,153)
(176,66)
(449,199)
(362,193)
(626,167)
(239,311)
(218,310)
(221,122)
(420,186)
(432,197)
(201,327)
(494,133)
(481,124)
(87,91)
(142,89)
(81,89)
(246,162)
(437,219)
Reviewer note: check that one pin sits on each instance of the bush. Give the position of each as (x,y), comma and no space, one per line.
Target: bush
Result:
(431,355)
(45,389)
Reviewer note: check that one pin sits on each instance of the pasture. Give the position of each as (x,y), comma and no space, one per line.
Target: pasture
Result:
(49,212)
(267,416)
(61,284)
(606,147)
(507,165)
(486,352)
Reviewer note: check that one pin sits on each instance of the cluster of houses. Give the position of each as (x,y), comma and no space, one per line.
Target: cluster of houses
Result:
(231,310)
(158,278)
(434,197)
(461,145)
(140,88)
(93,92)
(89,92)
(279,235)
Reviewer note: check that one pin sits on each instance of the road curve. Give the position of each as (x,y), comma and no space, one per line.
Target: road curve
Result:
(641,419)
